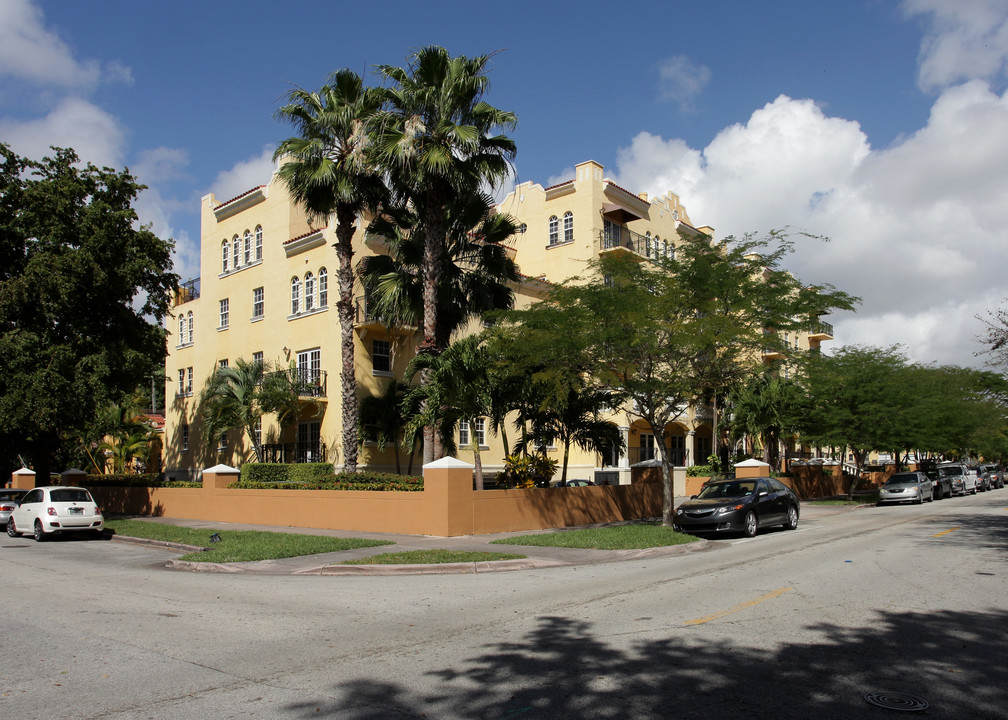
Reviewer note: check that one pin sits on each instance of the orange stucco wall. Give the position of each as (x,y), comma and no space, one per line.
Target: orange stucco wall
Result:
(448,506)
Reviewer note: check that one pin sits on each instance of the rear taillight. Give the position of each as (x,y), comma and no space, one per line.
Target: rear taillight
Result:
(52,511)
(7,508)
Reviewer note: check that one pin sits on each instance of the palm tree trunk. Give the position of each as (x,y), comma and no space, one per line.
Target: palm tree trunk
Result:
(348,377)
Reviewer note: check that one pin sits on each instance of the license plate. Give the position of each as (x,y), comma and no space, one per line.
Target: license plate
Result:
(76,511)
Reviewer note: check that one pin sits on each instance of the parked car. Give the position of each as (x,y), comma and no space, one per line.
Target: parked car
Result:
(942,483)
(974,470)
(913,487)
(9,499)
(991,475)
(55,510)
(961,479)
(739,505)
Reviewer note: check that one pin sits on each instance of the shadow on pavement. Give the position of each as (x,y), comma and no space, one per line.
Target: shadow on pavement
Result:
(561,670)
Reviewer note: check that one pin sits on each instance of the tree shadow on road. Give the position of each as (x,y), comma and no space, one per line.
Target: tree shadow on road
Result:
(565,668)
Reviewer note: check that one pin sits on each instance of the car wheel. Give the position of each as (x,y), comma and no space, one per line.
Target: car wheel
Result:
(39,533)
(920,497)
(11,529)
(792,518)
(750,524)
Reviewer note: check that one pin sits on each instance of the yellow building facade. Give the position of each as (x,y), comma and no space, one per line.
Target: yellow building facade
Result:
(267,290)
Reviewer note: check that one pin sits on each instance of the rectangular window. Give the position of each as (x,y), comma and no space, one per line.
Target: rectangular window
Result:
(464,433)
(481,432)
(309,365)
(381,356)
(647,447)
(181,382)
(222,442)
(224,313)
(184,441)
(222,363)
(257,303)
(257,357)
(189,381)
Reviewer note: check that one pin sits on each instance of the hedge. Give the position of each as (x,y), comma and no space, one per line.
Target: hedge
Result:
(142,480)
(319,476)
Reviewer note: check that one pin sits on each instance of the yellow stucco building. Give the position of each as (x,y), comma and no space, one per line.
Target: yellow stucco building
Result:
(267,291)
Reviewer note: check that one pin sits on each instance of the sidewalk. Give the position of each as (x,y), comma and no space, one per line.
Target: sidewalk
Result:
(536,557)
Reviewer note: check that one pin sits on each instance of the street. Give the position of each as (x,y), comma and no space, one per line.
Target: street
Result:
(895,601)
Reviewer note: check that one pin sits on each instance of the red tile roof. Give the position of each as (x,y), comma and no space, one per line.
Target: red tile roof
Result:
(239,197)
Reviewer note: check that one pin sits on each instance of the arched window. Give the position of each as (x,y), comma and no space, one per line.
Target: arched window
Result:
(295,295)
(258,242)
(309,292)
(665,254)
(568,226)
(248,247)
(225,255)
(236,251)
(323,287)
(657,244)
(189,319)
(554,230)
(181,330)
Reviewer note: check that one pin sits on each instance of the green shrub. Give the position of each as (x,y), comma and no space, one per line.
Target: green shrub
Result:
(700,471)
(142,480)
(315,480)
(285,472)
(525,471)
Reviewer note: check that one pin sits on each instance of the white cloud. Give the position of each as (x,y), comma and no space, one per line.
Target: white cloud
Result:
(965,40)
(95,134)
(682,80)
(31,52)
(244,175)
(917,228)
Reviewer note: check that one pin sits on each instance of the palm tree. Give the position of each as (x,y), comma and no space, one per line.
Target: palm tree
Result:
(328,171)
(124,432)
(381,415)
(456,391)
(573,414)
(437,142)
(476,268)
(239,395)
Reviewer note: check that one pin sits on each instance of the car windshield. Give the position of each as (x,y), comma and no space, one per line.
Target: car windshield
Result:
(734,488)
(901,479)
(69,495)
(956,470)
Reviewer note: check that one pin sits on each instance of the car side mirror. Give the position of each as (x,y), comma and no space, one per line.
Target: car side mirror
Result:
(763,493)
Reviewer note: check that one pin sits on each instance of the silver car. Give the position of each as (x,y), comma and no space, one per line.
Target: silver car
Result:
(9,499)
(915,487)
(963,481)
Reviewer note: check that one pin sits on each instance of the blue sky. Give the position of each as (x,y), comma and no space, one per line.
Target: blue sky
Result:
(879,124)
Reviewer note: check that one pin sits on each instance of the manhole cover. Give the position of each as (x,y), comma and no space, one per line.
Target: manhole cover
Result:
(897,701)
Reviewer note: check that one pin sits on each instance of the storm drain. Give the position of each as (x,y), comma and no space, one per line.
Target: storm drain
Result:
(897,701)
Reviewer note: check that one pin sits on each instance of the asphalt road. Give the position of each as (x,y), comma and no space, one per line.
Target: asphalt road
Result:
(898,602)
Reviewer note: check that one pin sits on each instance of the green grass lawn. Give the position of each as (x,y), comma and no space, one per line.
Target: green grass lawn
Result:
(432,557)
(635,536)
(238,545)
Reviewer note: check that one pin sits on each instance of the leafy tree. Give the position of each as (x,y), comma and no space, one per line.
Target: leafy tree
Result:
(382,420)
(747,300)
(439,140)
(328,170)
(83,290)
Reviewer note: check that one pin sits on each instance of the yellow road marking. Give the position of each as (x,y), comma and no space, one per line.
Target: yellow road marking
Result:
(945,532)
(736,608)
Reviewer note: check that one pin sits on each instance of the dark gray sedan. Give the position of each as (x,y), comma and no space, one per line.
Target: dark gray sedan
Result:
(739,505)
(915,487)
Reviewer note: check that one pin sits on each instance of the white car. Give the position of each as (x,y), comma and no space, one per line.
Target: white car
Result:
(54,510)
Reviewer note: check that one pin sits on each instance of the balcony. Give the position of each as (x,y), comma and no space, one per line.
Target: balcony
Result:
(365,316)
(310,383)
(294,453)
(821,331)
(617,238)
(189,290)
